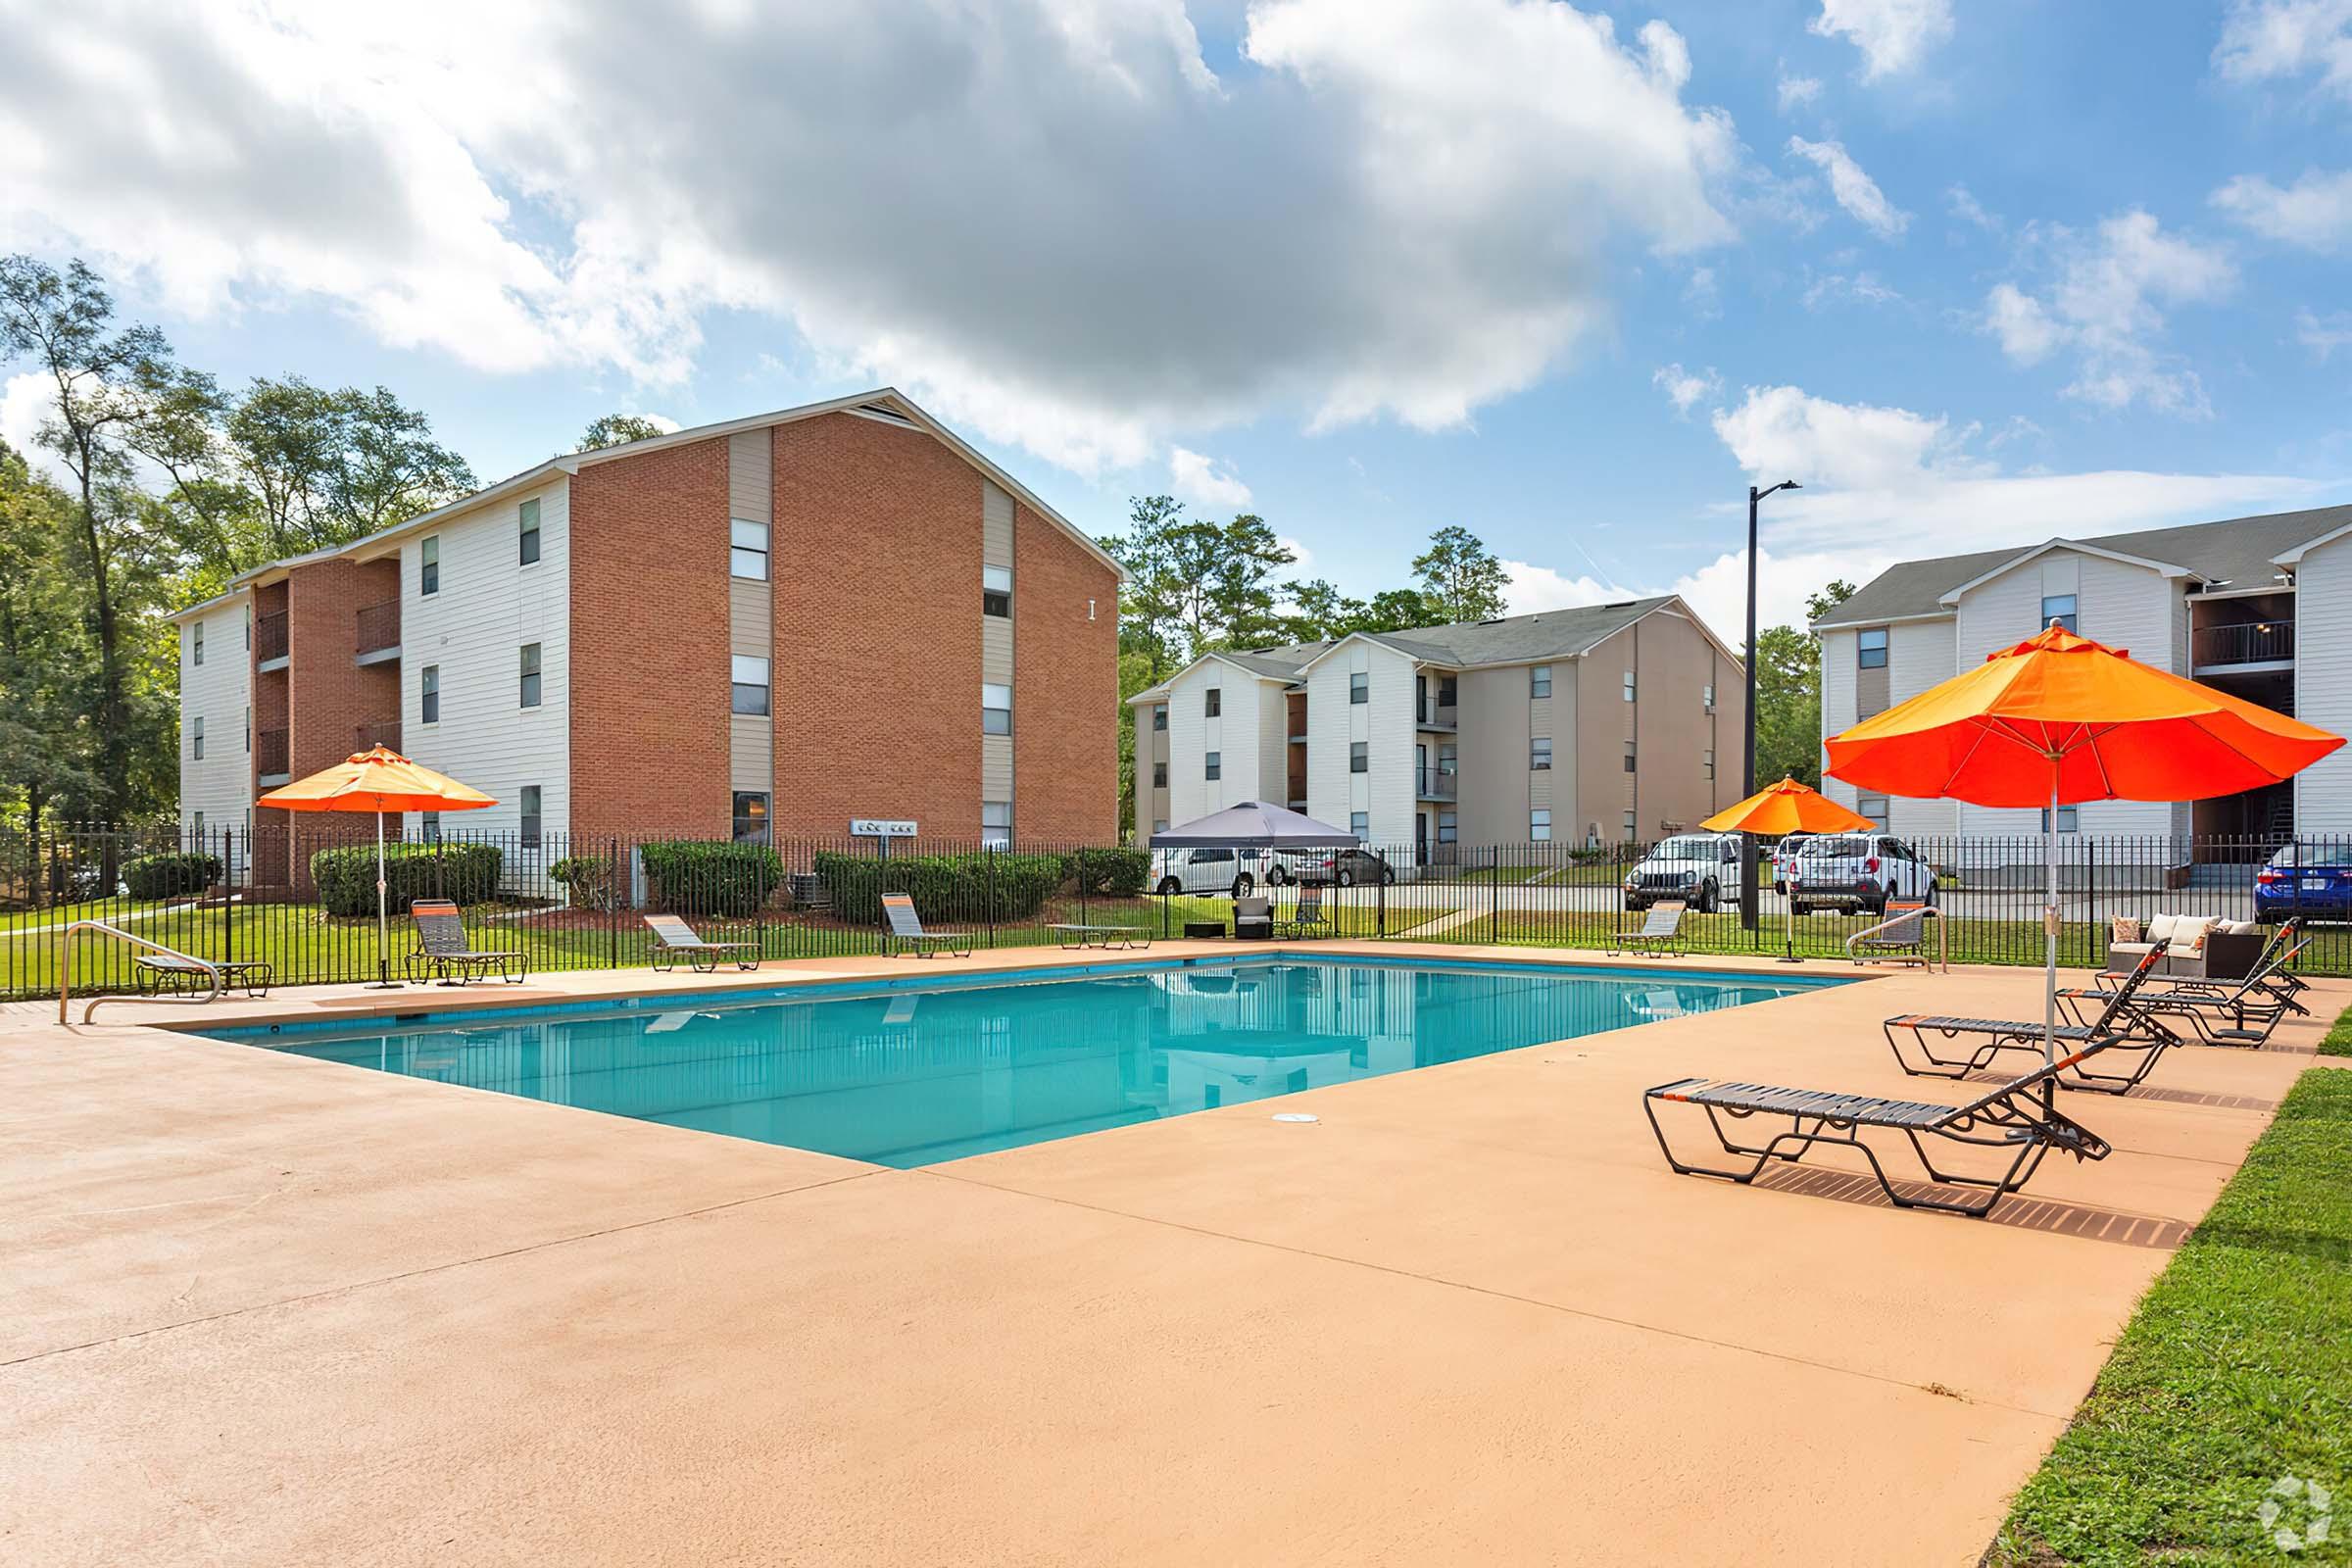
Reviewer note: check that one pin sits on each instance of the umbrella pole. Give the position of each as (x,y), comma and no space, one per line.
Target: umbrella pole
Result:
(383,964)
(1788,916)
(2049,929)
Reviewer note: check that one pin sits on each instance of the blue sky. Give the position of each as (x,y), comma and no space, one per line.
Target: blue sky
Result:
(1973,271)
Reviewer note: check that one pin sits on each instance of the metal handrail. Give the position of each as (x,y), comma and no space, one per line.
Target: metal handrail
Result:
(65,967)
(1943,933)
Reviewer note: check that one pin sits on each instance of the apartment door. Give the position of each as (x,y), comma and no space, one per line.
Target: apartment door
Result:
(1421,769)
(1420,838)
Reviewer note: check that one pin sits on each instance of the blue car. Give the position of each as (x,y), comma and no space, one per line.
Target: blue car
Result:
(2312,880)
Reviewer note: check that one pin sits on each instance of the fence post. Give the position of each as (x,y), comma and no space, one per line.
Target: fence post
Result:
(613,892)
(1494,895)
(988,895)
(228,893)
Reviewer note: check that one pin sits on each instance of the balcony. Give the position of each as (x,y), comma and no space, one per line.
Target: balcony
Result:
(1434,783)
(2252,646)
(270,757)
(378,638)
(1445,720)
(270,641)
(385,732)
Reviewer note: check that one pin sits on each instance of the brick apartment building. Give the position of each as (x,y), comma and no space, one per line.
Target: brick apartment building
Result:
(753,629)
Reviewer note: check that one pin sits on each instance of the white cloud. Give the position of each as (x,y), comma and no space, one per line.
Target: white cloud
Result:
(1968,210)
(1717,591)
(1686,389)
(2323,334)
(1894,35)
(1534,589)
(1797,91)
(1864,286)
(1854,190)
(1199,480)
(27,401)
(2267,41)
(2314,212)
(2107,302)
(1421,206)
(1702,295)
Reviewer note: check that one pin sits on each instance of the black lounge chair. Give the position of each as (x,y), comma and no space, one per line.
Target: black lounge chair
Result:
(2120,1023)
(674,937)
(443,949)
(2018,1119)
(906,933)
(2240,1013)
(1307,918)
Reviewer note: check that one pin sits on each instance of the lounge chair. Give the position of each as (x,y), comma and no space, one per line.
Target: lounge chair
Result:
(162,974)
(2119,1023)
(442,949)
(1254,918)
(906,933)
(1307,918)
(2017,1118)
(2269,973)
(674,937)
(2233,1013)
(1660,929)
(1905,941)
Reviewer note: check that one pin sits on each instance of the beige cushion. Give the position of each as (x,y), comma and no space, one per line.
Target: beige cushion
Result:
(2162,927)
(2241,928)
(2124,928)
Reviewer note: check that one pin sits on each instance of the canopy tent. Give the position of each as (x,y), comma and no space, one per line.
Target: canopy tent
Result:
(1254,825)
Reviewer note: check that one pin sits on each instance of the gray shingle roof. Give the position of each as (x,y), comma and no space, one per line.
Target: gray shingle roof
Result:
(1548,634)
(2238,550)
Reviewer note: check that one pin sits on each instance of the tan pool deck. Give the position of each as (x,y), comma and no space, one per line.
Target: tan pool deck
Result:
(264,1310)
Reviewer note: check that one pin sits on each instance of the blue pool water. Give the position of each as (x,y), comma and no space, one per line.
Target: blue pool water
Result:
(906,1074)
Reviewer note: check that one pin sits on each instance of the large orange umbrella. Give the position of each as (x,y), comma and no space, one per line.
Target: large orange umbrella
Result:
(1787,808)
(2059,719)
(379,780)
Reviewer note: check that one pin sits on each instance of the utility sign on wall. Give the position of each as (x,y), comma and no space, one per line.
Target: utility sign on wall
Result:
(875,827)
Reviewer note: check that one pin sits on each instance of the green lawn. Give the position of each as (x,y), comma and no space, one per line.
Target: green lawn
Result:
(2338,1042)
(2235,1374)
(1590,925)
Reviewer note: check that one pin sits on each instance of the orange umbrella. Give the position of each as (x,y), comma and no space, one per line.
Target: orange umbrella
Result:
(379,780)
(2060,718)
(1787,808)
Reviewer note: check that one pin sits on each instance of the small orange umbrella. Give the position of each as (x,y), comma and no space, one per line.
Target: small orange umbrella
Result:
(1787,808)
(378,780)
(2060,718)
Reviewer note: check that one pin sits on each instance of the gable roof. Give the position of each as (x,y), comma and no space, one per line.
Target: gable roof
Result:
(1512,640)
(2236,550)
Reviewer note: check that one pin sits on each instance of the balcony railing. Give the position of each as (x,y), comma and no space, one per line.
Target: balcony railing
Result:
(379,628)
(270,753)
(1439,717)
(2260,642)
(1434,783)
(269,636)
(385,732)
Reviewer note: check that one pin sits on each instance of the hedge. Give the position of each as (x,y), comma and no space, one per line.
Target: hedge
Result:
(1119,873)
(946,889)
(590,880)
(707,876)
(170,873)
(346,877)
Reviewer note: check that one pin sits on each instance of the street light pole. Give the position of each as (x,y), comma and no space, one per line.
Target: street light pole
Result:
(1749,896)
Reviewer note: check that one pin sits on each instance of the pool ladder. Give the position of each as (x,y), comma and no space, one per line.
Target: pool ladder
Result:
(65,968)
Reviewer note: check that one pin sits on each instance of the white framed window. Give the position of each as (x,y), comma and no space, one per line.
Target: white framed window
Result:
(249,728)
(1873,806)
(1538,680)
(1539,824)
(2070,819)
(746,689)
(751,816)
(1539,754)
(196,737)
(1160,775)
(1870,648)
(2060,608)
(1630,761)
(530,675)
(996,591)
(428,827)
(1212,766)
(1629,824)
(996,708)
(1159,824)
(429,694)
(1710,761)
(249,628)
(1212,701)
(1708,693)
(196,643)
(747,550)
(1359,688)
(1629,685)
(1449,827)
(527,527)
(996,824)
(529,806)
(1359,757)
(1360,823)
(197,828)
(428,565)
(1160,716)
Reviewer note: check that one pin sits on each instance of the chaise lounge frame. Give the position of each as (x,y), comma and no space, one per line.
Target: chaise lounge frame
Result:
(2120,1025)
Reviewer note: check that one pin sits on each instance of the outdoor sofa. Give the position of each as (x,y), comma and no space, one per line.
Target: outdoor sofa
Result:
(2200,946)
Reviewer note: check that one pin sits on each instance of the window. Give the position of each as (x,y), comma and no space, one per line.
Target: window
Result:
(530,674)
(428,571)
(1448,829)
(1448,691)
(1708,694)
(1359,688)
(1212,703)
(1629,824)
(431,698)
(751,817)
(1159,824)
(249,726)
(529,808)
(1539,681)
(1539,754)
(1160,716)
(747,550)
(248,626)
(748,685)
(1359,757)
(196,643)
(1629,685)
(531,531)
(196,738)
(1212,766)
(995,710)
(1870,645)
(996,590)
(197,826)
(2070,819)
(429,829)
(1539,824)
(996,824)
(1630,763)
(1160,775)
(1360,823)
(2059,608)
(1711,761)
(1873,806)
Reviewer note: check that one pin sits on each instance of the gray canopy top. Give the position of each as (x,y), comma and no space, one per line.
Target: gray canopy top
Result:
(1254,825)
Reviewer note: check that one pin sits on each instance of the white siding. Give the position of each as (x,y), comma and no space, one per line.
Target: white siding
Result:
(1238,734)
(2324,684)
(489,606)
(1385,723)
(1838,709)
(1918,654)
(221,692)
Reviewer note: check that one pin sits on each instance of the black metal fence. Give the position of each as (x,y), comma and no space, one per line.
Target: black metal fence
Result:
(303,903)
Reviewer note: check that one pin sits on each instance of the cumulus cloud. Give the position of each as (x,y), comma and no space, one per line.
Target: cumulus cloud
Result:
(1797,91)
(2270,40)
(1388,208)
(2323,334)
(1854,190)
(2027,334)
(1686,389)
(1200,480)
(1894,35)
(2314,212)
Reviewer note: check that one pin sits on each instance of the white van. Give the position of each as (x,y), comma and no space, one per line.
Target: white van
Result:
(1234,871)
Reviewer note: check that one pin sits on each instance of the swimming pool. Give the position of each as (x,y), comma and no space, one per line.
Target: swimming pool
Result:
(910,1072)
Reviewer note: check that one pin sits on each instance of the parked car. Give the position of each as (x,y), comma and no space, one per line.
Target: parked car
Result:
(1857,871)
(1347,868)
(1783,859)
(1210,872)
(1700,868)
(2311,880)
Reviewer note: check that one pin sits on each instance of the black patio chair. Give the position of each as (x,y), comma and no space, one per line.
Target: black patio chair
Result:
(443,949)
(2270,974)
(2119,1024)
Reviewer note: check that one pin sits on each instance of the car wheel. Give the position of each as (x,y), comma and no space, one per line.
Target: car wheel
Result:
(1241,885)
(1800,908)
(1169,886)
(1387,878)
(1930,898)
(1780,887)
(1345,879)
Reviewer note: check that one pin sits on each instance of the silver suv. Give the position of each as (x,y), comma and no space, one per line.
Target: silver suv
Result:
(1857,871)
(1700,868)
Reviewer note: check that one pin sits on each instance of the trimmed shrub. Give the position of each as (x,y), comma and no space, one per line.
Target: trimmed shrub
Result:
(711,876)
(170,873)
(590,880)
(346,877)
(1117,872)
(947,889)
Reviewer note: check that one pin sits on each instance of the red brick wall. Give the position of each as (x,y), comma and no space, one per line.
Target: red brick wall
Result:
(326,697)
(878,642)
(1065,688)
(649,644)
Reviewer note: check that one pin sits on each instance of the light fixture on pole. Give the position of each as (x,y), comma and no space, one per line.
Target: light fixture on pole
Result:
(1748,895)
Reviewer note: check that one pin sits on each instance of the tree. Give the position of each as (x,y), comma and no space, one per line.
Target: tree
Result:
(41,651)
(1788,694)
(617,430)
(1460,577)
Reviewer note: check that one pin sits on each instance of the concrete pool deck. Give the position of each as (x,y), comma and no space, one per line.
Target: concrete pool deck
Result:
(265,1309)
